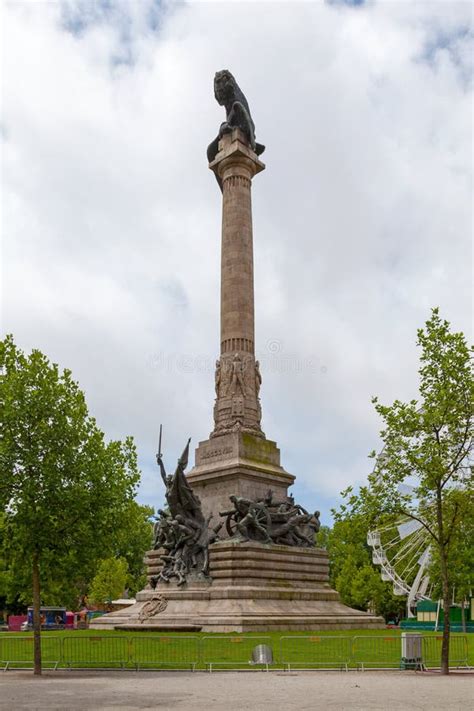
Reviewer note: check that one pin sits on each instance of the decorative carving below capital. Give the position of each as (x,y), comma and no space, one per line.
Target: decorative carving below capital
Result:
(231,345)
(237,426)
(233,181)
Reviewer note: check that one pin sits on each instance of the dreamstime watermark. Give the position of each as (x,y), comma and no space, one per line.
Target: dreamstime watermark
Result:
(273,359)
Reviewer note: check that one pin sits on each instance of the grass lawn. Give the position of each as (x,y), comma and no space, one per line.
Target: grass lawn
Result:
(112,648)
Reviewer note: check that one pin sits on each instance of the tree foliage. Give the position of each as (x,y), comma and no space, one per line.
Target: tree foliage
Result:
(131,540)
(67,582)
(460,556)
(63,489)
(352,573)
(109,582)
(428,444)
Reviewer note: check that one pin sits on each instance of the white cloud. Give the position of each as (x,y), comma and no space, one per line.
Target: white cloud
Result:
(362,220)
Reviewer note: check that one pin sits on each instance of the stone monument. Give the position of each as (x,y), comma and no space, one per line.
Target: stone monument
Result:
(237,459)
(233,551)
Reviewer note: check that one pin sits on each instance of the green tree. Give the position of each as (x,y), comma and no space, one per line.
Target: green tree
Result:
(368,589)
(344,579)
(131,540)
(460,558)
(62,487)
(322,537)
(352,573)
(428,443)
(110,581)
(68,581)
(4,575)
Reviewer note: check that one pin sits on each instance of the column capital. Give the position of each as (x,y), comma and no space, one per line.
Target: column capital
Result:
(234,154)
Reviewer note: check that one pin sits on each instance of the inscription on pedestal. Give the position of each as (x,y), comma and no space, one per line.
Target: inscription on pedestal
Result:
(217,452)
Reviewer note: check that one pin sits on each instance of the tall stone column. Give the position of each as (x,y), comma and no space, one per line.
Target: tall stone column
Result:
(238,376)
(237,458)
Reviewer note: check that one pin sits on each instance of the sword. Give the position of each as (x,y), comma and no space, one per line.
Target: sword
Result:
(159,441)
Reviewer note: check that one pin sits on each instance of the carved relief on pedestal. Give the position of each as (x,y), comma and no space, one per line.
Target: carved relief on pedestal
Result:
(217,377)
(237,385)
(258,383)
(258,378)
(237,407)
(153,607)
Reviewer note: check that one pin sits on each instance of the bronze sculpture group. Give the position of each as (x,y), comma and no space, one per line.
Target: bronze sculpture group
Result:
(266,521)
(183,534)
(181,531)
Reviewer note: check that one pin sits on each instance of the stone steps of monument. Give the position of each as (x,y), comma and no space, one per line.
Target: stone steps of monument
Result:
(232,575)
(153,570)
(159,627)
(256,551)
(252,546)
(288,567)
(241,592)
(267,571)
(264,549)
(259,623)
(271,593)
(182,593)
(268,555)
(234,568)
(243,609)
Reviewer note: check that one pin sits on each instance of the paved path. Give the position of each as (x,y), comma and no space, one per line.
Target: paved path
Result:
(231,691)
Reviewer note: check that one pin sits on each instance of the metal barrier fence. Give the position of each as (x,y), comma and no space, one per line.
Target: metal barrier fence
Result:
(314,651)
(458,651)
(153,652)
(376,652)
(234,651)
(230,651)
(96,651)
(18,652)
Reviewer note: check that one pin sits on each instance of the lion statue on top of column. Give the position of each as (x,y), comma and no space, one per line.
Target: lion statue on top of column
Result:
(230,95)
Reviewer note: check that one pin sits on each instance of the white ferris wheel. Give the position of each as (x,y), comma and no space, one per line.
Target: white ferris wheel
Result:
(402,550)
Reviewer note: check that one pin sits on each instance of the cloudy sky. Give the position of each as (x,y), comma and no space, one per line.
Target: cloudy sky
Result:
(362,219)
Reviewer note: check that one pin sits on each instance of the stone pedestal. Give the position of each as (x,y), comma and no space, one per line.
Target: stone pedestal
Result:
(237,463)
(254,588)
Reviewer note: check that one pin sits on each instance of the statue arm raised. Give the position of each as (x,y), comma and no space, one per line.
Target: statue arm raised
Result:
(159,461)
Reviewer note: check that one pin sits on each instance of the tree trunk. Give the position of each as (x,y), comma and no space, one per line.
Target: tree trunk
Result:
(446,621)
(445,585)
(36,614)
